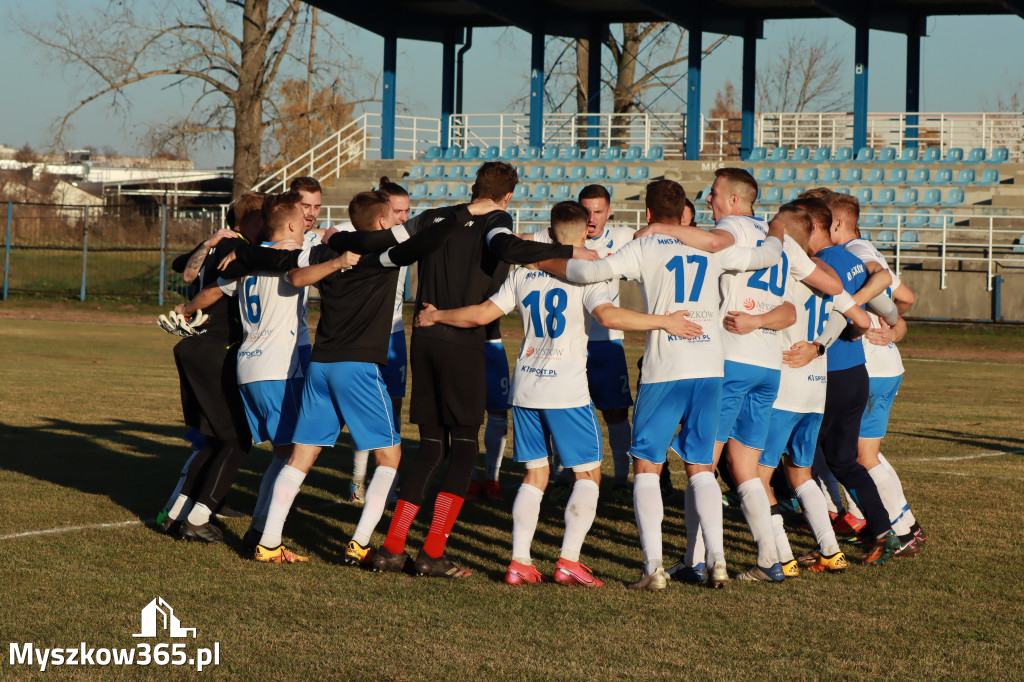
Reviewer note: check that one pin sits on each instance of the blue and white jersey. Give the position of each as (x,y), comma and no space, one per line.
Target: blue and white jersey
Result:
(396,319)
(607,243)
(673,277)
(802,389)
(551,370)
(844,354)
(758,292)
(881,361)
(274,323)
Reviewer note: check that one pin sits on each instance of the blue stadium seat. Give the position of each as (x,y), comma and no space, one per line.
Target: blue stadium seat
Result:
(897,176)
(918,220)
(591,154)
(954,198)
(491,153)
(931,198)
(809,175)
(920,176)
(472,153)
(418,172)
(543,215)
(853,176)
(942,177)
(550,152)
(895,217)
(541,193)
(634,153)
(521,192)
(999,155)
(966,176)
(907,198)
(886,239)
(766,174)
(931,155)
(511,153)
(864,195)
(640,174)
(886,197)
(577,173)
(598,172)
(908,155)
(1018,244)
(530,154)
(865,234)
(562,193)
(556,173)
(864,155)
(954,155)
(536,173)
(800,155)
(460,192)
(757,154)
(875,176)
(794,193)
(887,155)
(436,172)
(439,192)
(611,191)
(977,155)
(830,176)
(786,175)
(821,155)
(568,152)
(456,172)
(872,218)
(749,171)
(619,174)
(655,153)
(778,155)
(842,190)
(703,196)
(773,195)
(703,216)
(910,239)
(943,218)
(989,177)
(453,153)
(433,153)
(419,191)
(611,154)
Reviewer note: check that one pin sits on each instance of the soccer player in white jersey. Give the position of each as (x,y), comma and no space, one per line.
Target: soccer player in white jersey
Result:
(681,379)
(547,392)
(885,373)
(607,375)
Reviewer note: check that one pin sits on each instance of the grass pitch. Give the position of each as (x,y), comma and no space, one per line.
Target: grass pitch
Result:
(89,434)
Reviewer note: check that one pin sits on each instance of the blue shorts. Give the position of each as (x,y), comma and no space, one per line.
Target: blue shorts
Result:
(881,392)
(496,363)
(748,393)
(272,407)
(345,393)
(793,433)
(691,404)
(607,375)
(574,430)
(394,372)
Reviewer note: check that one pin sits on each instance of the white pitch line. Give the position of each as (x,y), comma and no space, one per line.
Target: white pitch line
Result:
(964,474)
(68,529)
(960,458)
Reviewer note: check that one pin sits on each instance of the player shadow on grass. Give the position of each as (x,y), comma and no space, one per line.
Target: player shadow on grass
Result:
(993,443)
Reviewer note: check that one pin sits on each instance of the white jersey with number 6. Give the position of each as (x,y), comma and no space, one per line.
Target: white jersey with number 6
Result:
(551,371)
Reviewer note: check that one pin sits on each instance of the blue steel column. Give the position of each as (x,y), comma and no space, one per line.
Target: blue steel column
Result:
(597,36)
(537,90)
(860,87)
(387,118)
(447,90)
(693,95)
(747,93)
(913,87)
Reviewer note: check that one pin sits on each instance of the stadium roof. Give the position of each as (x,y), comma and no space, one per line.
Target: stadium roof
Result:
(440,20)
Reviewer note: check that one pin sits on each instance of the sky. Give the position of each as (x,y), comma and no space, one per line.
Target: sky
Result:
(959,73)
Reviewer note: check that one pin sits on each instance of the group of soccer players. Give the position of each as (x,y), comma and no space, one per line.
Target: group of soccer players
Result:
(772,343)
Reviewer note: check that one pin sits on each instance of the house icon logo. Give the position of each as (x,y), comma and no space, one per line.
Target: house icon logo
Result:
(158,615)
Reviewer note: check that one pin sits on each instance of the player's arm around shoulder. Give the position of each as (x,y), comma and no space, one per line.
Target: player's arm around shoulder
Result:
(711,241)
(469,316)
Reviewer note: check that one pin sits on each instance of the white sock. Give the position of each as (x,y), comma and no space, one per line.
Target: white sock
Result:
(908,515)
(757,511)
(360,459)
(181,481)
(851,505)
(619,436)
(781,541)
(887,491)
(812,500)
(199,515)
(650,512)
(180,508)
(286,487)
(695,550)
(376,500)
(707,498)
(259,514)
(525,512)
(580,511)
(495,439)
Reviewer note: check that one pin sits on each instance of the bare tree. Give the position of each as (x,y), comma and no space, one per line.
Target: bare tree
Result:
(806,73)
(228,55)
(725,128)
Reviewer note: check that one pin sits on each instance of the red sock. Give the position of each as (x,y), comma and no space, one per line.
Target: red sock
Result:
(446,510)
(404,514)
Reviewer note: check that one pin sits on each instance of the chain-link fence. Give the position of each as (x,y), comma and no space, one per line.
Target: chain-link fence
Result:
(91,251)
